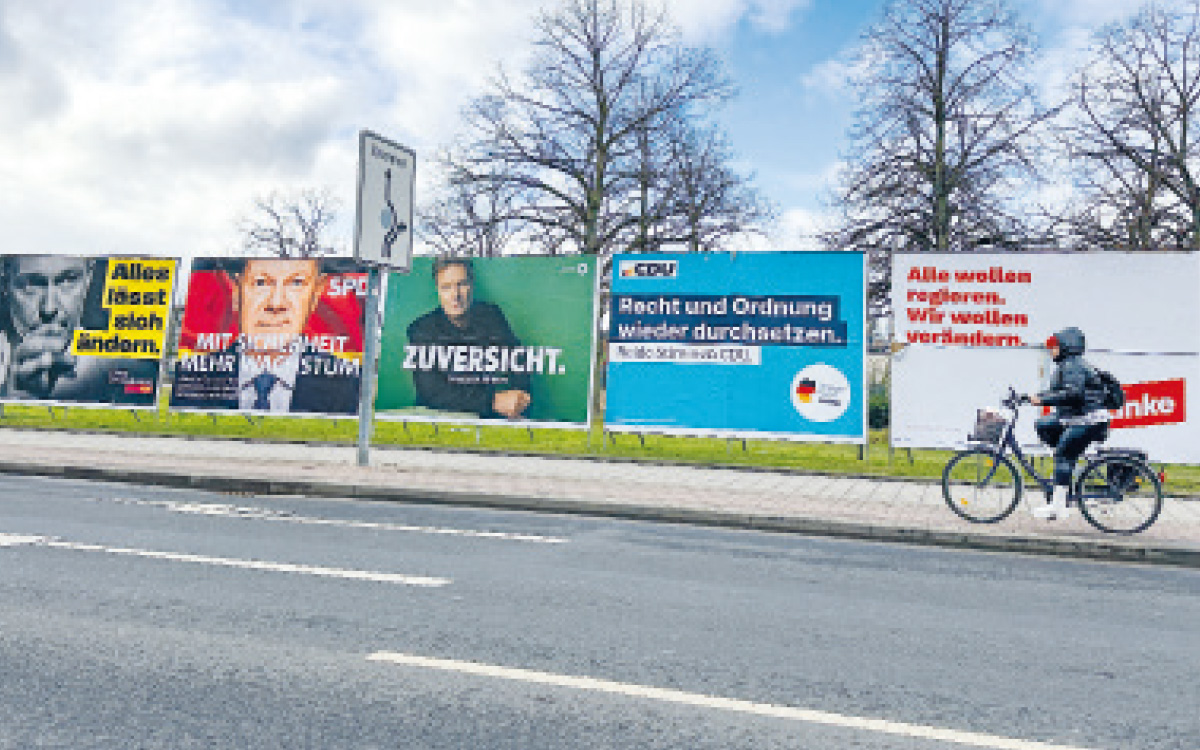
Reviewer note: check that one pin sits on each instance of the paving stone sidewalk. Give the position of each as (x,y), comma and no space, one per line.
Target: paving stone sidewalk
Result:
(785,501)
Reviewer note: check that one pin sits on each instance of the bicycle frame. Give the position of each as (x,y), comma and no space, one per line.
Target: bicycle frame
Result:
(1008,442)
(1101,487)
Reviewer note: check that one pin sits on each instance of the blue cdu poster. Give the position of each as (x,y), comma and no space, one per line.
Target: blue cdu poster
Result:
(746,345)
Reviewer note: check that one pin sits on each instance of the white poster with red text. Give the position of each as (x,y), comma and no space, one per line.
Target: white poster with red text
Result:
(968,326)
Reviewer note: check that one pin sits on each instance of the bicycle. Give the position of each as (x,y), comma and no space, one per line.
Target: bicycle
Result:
(1117,491)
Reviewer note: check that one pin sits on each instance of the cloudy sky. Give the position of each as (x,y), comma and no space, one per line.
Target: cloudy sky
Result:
(148,126)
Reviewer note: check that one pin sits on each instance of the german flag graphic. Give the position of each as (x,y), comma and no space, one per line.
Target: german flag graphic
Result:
(805,390)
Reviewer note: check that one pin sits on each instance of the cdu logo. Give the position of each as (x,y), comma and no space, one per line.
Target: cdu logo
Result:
(649,269)
(820,393)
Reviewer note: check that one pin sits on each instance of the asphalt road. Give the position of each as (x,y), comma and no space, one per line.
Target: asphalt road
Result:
(136,617)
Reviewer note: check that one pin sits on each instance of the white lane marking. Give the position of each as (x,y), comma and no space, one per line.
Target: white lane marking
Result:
(263,514)
(811,716)
(12,540)
(19,540)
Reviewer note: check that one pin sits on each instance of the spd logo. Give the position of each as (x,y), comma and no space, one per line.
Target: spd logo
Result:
(649,269)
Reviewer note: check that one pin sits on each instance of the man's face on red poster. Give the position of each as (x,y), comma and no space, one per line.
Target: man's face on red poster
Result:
(275,298)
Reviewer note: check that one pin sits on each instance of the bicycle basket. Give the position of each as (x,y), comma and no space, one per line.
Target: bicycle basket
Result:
(989,426)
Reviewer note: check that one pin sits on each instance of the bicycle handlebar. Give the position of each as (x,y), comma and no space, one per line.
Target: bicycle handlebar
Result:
(1014,399)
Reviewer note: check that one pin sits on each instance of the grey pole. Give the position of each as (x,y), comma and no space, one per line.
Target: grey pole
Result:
(866,379)
(366,394)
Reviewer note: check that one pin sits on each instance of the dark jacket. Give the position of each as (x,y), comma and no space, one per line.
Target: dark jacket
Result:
(324,384)
(462,391)
(1074,386)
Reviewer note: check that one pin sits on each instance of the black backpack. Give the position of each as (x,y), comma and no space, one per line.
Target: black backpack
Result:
(1111,395)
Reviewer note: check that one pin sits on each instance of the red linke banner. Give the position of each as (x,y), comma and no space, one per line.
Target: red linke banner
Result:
(1157,402)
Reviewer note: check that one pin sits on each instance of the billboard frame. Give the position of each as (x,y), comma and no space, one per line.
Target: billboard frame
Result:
(426,418)
(737,434)
(170,336)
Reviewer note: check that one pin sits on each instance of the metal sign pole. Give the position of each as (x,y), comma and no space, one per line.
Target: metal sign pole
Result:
(383,241)
(366,394)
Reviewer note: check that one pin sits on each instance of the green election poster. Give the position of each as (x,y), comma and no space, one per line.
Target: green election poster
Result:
(489,339)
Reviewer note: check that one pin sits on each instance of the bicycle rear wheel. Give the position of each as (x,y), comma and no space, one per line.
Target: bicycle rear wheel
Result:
(1119,495)
(981,485)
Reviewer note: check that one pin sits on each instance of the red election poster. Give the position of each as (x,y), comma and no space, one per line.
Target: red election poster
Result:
(275,335)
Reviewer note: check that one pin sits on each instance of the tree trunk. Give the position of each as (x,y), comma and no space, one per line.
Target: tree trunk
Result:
(941,197)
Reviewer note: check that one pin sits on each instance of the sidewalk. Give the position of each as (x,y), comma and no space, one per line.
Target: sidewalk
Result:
(770,500)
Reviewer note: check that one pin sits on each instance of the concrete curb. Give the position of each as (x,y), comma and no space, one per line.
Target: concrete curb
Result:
(1115,550)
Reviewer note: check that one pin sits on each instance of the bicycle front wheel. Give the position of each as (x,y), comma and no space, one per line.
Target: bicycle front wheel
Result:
(1119,495)
(981,485)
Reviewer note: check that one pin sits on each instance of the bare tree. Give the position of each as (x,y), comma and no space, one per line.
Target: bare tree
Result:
(468,217)
(708,202)
(689,195)
(943,127)
(565,138)
(1134,137)
(942,138)
(291,225)
(1119,207)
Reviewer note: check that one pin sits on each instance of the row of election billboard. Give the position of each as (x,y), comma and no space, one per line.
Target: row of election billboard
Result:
(740,345)
(762,344)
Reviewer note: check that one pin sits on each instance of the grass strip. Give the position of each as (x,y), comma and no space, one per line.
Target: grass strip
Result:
(813,457)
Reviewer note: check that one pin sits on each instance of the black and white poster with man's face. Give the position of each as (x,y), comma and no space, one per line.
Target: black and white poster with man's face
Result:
(80,330)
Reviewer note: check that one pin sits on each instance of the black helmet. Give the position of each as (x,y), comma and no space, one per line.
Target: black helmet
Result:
(1070,342)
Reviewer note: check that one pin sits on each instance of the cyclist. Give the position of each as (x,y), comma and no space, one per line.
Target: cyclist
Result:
(1078,419)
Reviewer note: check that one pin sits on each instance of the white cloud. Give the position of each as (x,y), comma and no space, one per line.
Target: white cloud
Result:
(433,56)
(830,78)
(704,19)
(818,183)
(148,126)
(801,228)
(1067,31)
(1091,13)
(775,15)
(171,117)
(796,229)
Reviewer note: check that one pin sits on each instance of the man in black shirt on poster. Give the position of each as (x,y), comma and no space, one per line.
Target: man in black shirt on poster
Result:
(461,321)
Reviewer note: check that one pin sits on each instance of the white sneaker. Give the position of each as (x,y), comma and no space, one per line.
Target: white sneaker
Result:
(1056,509)
(1046,512)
